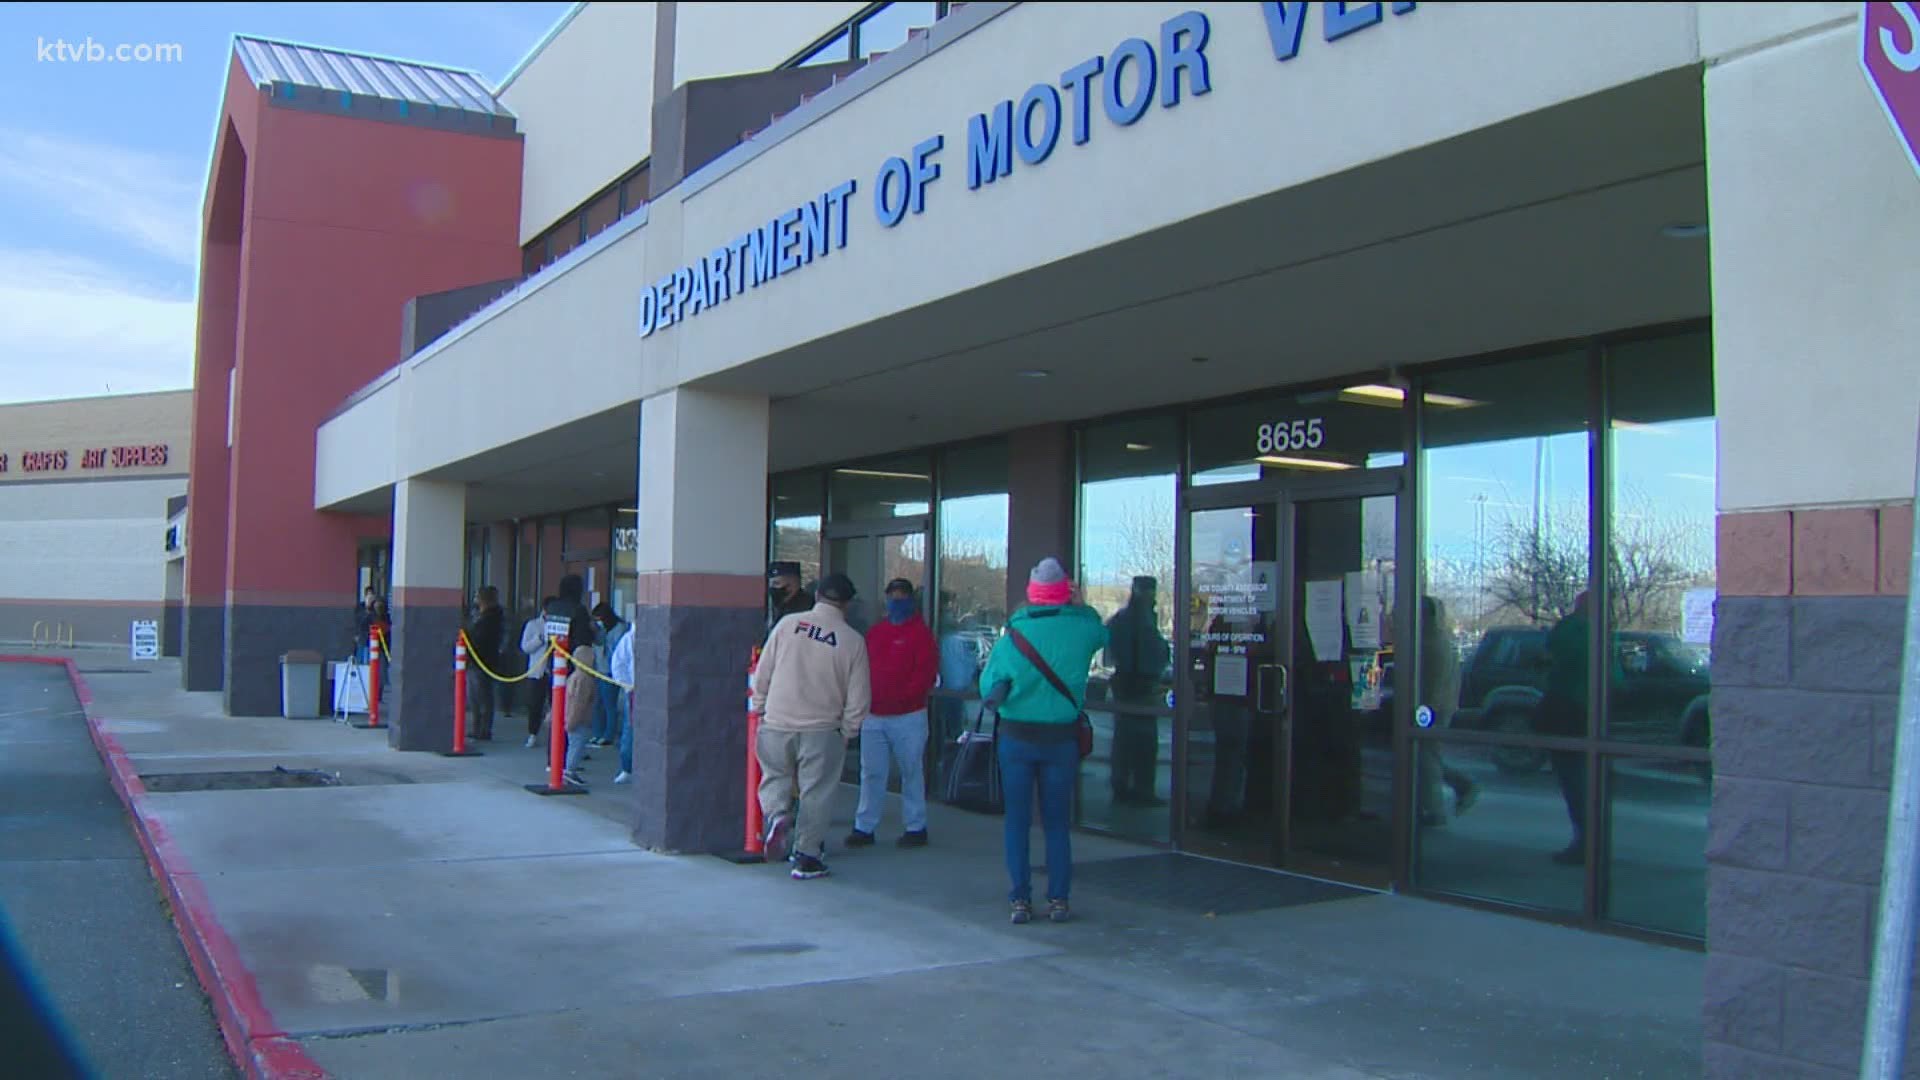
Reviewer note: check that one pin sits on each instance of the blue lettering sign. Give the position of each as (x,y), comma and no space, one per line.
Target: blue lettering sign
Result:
(885,207)
(990,146)
(1032,128)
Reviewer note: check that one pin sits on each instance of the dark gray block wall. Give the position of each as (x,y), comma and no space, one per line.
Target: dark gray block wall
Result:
(1805,691)
(259,634)
(418,706)
(690,725)
(203,655)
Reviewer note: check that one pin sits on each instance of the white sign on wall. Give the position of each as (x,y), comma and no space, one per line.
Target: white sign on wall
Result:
(146,639)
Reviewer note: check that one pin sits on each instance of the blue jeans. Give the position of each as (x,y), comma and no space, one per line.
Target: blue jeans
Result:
(885,741)
(626,731)
(1055,767)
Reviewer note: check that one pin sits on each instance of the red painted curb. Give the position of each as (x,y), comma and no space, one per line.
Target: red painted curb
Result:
(260,1049)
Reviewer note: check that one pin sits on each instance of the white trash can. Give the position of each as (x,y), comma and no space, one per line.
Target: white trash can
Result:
(300,685)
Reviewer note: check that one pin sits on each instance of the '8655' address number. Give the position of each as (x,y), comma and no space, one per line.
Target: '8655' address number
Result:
(1291,435)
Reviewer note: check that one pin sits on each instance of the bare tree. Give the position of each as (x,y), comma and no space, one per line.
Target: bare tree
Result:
(1540,564)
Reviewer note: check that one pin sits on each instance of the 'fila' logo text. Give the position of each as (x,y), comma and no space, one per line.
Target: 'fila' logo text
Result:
(820,634)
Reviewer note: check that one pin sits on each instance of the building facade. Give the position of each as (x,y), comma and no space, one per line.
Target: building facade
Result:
(90,490)
(1420,390)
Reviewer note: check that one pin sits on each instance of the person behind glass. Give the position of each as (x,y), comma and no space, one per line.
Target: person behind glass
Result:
(1138,654)
(486,636)
(1440,694)
(538,684)
(1563,711)
(1038,734)
(811,691)
(607,710)
(900,657)
(784,594)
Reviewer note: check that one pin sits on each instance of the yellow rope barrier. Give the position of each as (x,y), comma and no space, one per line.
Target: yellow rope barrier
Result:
(603,678)
(474,655)
(380,642)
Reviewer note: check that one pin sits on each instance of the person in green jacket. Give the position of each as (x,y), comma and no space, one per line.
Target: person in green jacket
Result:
(1038,734)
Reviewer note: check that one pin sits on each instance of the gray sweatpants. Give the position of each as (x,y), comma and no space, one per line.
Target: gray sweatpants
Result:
(809,761)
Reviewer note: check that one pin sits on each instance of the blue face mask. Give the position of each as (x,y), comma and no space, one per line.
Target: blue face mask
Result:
(899,608)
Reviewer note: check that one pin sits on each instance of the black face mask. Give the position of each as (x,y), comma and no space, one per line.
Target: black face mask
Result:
(778,593)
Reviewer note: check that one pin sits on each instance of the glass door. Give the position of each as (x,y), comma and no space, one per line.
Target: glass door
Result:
(1288,731)
(871,555)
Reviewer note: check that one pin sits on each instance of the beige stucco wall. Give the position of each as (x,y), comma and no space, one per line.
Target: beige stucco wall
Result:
(585,103)
(103,423)
(1815,217)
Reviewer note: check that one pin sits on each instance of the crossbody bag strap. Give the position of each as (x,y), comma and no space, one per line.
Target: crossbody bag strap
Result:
(1033,657)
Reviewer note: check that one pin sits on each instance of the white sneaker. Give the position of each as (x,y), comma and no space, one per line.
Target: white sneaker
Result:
(623,777)
(533,741)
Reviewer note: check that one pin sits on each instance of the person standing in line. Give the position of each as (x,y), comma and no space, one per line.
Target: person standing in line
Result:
(811,691)
(784,592)
(606,720)
(485,636)
(533,642)
(1039,731)
(621,668)
(900,655)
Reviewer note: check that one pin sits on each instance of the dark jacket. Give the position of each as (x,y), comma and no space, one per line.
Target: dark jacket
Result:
(487,635)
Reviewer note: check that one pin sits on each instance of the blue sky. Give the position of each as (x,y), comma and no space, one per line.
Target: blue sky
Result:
(102,167)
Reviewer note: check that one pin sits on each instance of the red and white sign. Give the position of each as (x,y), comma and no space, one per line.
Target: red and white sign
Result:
(1890,55)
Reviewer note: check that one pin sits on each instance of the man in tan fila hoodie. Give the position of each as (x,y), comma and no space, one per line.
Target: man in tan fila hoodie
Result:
(811,692)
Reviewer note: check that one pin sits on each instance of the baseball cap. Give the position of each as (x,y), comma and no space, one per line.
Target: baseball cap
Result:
(837,587)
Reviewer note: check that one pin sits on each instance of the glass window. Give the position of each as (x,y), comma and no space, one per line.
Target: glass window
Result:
(973,548)
(626,542)
(876,491)
(838,50)
(886,29)
(796,522)
(1660,558)
(1128,477)
(526,577)
(1657,828)
(534,257)
(1504,645)
(589,534)
(603,212)
(564,238)
(1325,431)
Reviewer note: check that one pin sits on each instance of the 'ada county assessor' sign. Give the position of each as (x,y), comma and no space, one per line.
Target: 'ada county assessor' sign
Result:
(1123,84)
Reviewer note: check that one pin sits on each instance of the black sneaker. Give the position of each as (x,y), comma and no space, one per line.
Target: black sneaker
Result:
(856,838)
(775,844)
(1022,913)
(916,838)
(1057,911)
(806,868)
(573,778)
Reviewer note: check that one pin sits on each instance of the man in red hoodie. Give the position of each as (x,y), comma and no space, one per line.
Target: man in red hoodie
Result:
(900,654)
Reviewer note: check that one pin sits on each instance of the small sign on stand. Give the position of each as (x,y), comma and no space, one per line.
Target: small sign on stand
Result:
(146,639)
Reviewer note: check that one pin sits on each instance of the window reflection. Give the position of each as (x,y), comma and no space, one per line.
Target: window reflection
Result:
(887,28)
(878,490)
(797,515)
(973,578)
(1128,480)
(1326,431)
(1504,527)
(1660,562)
(1657,830)
(833,52)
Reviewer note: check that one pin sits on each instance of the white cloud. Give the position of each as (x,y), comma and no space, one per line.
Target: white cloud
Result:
(151,200)
(74,327)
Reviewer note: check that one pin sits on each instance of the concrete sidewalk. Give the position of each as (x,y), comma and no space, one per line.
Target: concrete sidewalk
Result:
(429,917)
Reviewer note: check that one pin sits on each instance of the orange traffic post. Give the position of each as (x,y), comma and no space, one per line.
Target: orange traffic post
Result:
(557,727)
(754,851)
(460,701)
(375,646)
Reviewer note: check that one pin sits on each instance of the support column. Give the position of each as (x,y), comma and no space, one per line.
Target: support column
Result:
(429,544)
(699,613)
(203,645)
(1040,504)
